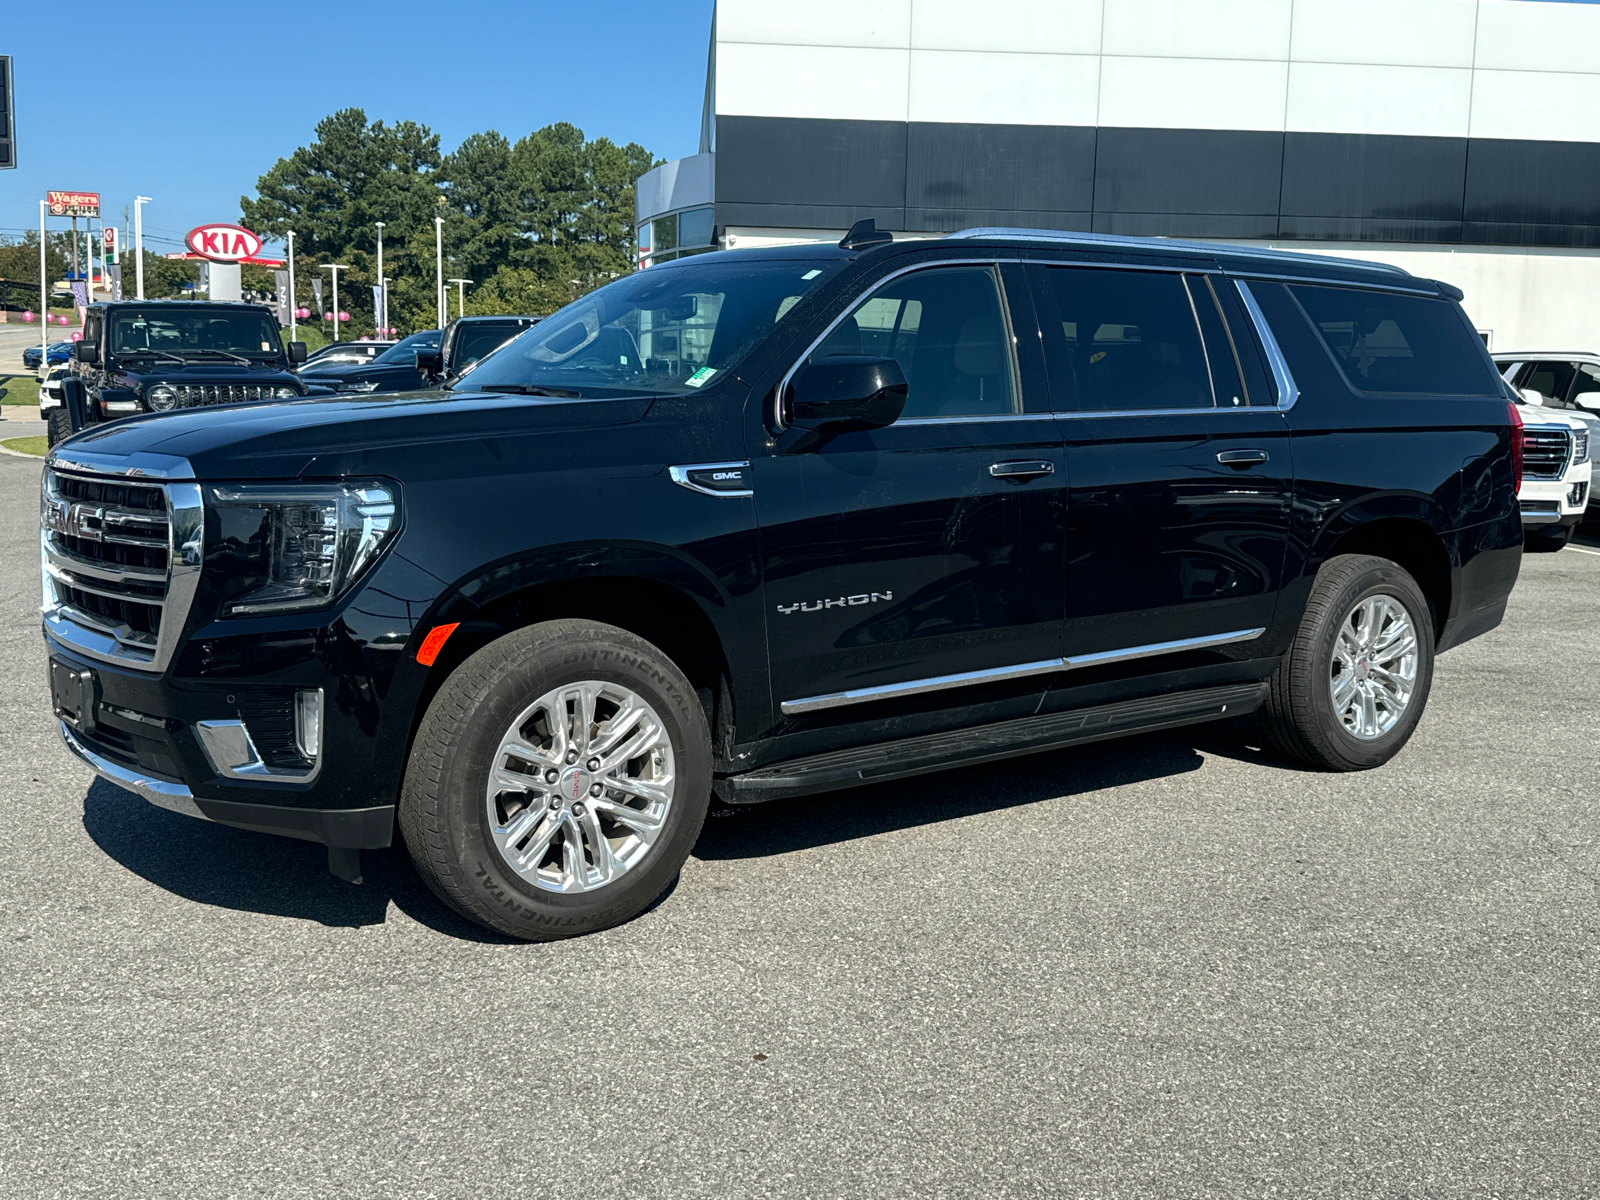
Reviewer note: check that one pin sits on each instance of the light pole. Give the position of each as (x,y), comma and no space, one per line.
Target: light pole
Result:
(138,244)
(335,268)
(44,298)
(383,292)
(293,303)
(438,258)
(461,302)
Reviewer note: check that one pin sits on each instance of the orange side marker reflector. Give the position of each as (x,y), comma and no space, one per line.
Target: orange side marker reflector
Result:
(434,642)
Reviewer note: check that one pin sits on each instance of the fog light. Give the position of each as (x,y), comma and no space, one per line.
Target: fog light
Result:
(308,724)
(1577,494)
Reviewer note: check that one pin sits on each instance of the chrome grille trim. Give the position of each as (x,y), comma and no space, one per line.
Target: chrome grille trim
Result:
(129,514)
(1546,451)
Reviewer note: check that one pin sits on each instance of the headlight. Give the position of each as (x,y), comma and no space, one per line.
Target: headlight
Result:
(291,547)
(370,385)
(161,398)
(285,393)
(1580,446)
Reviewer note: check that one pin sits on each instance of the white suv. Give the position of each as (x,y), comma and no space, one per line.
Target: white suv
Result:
(1555,475)
(1564,383)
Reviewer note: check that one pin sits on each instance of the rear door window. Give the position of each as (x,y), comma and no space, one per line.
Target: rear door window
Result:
(1123,341)
(1388,342)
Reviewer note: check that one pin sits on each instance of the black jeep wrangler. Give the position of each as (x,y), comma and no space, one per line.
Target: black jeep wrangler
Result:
(759,524)
(144,356)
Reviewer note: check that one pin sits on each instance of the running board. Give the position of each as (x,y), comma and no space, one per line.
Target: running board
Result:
(963,747)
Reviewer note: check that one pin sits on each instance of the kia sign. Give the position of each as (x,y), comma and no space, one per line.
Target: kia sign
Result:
(223,243)
(73,204)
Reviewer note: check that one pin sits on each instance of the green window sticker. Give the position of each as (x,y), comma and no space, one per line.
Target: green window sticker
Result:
(701,377)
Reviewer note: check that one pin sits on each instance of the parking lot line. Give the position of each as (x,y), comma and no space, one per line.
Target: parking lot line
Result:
(1583,550)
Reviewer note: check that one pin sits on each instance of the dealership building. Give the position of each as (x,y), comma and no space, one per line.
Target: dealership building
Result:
(1459,139)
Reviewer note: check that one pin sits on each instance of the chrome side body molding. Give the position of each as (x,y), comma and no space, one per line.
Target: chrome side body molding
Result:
(1047,666)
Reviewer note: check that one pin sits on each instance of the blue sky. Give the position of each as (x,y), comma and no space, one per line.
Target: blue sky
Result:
(190,102)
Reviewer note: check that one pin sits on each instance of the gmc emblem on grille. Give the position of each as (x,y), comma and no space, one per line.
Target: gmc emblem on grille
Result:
(73,520)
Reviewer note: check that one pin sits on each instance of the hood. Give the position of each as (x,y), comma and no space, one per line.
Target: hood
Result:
(1537,414)
(211,370)
(341,434)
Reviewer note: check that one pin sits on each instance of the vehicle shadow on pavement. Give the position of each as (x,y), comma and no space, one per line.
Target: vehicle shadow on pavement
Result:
(257,872)
(783,826)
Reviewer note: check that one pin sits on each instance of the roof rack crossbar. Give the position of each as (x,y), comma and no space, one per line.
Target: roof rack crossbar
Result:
(1076,237)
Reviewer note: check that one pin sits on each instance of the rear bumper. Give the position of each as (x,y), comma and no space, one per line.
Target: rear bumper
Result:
(350,828)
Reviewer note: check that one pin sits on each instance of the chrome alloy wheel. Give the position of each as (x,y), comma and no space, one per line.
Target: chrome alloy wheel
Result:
(1374,668)
(580,787)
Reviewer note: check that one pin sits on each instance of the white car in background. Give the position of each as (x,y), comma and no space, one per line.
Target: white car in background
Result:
(1556,474)
(50,391)
(1567,382)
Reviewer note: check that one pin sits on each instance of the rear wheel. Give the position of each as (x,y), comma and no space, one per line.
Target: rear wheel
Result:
(559,780)
(57,426)
(1547,543)
(1353,686)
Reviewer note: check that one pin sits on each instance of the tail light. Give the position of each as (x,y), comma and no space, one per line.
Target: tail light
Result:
(1516,445)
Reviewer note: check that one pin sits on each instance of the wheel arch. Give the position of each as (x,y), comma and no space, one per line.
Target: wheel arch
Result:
(1408,540)
(657,594)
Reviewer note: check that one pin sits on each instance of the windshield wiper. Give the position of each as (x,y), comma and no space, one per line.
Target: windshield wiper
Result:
(529,389)
(238,358)
(168,355)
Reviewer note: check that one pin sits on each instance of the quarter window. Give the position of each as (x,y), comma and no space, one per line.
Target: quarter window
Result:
(1129,340)
(947,329)
(1385,342)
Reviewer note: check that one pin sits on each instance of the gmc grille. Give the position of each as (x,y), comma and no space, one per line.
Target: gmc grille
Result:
(1545,452)
(107,548)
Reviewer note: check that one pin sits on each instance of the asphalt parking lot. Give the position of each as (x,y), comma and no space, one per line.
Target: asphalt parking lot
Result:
(1171,966)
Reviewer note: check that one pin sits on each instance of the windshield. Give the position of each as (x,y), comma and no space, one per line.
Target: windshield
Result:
(252,334)
(405,350)
(668,329)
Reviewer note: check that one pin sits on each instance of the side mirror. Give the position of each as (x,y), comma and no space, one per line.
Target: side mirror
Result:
(297,353)
(1532,397)
(86,352)
(1589,401)
(430,362)
(842,393)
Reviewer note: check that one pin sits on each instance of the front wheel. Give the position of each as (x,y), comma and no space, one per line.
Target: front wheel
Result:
(1547,543)
(57,427)
(558,781)
(1352,687)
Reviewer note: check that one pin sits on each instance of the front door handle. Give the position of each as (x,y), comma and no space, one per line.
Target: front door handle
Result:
(1031,469)
(1242,458)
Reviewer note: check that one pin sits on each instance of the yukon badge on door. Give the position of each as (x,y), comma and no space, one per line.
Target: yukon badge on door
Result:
(842,602)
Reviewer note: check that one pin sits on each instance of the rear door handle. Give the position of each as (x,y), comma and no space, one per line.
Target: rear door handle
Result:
(1242,458)
(1031,469)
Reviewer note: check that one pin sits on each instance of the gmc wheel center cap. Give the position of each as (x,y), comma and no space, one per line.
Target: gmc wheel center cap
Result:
(574,784)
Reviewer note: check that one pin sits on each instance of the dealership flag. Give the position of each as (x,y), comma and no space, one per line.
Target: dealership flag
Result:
(80,297)
(280,282)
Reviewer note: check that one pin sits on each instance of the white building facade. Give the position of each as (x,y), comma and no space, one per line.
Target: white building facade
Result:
(1459,139)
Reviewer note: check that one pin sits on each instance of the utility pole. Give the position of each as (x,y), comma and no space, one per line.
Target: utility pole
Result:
(138,244)
(438,255)
(294,305)
(383,288)
(335,268)
(461,302)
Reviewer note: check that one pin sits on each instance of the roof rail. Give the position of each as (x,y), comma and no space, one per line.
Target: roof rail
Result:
(1160,243)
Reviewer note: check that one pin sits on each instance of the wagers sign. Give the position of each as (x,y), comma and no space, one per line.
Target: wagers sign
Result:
(223,243)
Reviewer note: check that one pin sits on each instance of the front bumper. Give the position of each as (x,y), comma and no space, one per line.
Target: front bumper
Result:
(1552,502)
(350,828)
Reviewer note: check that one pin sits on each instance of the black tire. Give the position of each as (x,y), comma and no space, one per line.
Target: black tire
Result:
(1299,712)
(1547,543)
(443,805)
(57,427)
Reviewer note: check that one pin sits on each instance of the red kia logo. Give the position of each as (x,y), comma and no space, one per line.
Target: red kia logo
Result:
(223,243)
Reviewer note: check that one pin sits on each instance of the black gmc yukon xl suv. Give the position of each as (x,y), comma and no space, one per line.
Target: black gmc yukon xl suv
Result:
(767,523)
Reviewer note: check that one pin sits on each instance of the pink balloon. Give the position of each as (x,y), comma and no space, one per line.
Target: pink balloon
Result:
(344,316)
(27,316)
(77,336)
(327,316)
